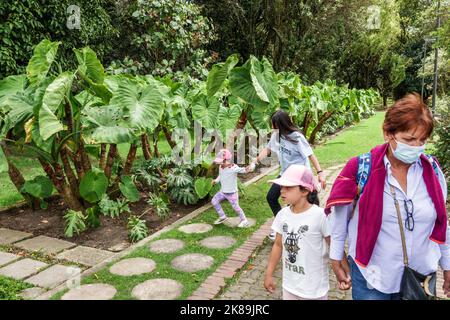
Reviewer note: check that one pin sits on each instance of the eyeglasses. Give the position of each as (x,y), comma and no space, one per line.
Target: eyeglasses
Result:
(409,208)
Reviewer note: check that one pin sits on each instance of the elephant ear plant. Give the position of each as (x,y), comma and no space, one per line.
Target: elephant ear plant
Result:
(56,116)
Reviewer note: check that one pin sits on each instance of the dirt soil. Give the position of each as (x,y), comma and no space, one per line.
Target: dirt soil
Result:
(111,233)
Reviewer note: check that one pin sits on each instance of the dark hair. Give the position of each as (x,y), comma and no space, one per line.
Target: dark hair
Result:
(407,113)
(282,122)
(312,196)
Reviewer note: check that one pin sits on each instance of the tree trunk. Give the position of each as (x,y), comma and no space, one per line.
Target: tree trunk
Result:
(102,160)
(168,136)
(76,158)
(306,123)
(84,156)
(319,126)
(155,142)
(146,147)
(385,101)
(18,180)
(130,158)
(74,183)
(56,175)
(110,161)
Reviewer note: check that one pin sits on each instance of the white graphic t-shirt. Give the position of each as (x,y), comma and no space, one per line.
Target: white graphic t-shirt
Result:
(305,252)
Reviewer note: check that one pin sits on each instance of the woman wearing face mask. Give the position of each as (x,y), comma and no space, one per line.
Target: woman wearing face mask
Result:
(399,174)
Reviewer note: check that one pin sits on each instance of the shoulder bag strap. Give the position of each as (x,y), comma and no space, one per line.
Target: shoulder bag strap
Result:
(400,223)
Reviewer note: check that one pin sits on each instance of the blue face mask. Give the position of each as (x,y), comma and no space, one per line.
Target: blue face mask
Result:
(406,153)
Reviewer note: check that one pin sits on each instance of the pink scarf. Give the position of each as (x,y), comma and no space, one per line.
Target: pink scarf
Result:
(344,190)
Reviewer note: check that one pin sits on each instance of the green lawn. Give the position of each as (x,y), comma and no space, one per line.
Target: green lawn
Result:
(351,142)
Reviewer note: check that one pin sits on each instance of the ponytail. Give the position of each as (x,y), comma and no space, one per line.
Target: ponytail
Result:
(313,197)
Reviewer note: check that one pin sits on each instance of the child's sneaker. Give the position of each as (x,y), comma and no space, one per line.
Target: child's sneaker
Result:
(220,220)
(243,224)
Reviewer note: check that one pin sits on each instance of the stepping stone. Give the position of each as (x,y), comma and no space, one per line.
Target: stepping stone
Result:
(196,228)
(8,236)
(133,266)
(158,289)
(85,255)
(22,269)
(192,262)
(166,246)
(45,244)
(31,293)
(51,277)
(218,242)
(119,247)
(234,221)
(6,258)
(97,291)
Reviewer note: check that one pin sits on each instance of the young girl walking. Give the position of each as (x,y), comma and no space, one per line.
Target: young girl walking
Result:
(228,187)
(302,235)
(291,147)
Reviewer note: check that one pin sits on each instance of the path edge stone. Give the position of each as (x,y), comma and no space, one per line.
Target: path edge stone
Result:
(47,295)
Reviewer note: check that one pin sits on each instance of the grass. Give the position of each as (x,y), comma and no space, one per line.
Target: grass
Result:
(10,288)
(351,142)
(251,204)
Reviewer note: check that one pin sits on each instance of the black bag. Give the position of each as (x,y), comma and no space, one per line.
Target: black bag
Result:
(414,286)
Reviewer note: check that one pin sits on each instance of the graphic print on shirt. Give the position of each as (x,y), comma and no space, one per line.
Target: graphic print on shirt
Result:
(291,242)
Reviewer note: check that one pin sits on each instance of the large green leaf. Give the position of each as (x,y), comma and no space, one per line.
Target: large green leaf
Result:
(241,85)
(43,56)
(128,189)
(10,86)
(219,72)
(205,110)
(227,119)
(49,123)
(203,187)
(93,185)
(142,109)
(104,124)
(39,187)
(89,65)
(21,109)
(264,80)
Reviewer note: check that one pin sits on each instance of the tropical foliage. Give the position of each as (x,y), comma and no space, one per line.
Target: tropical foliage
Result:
(71,121)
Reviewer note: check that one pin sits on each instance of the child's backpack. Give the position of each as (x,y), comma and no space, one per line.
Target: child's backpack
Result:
(364,167)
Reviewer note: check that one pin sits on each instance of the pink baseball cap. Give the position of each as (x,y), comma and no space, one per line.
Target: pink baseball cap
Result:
(297,175)
(223,154)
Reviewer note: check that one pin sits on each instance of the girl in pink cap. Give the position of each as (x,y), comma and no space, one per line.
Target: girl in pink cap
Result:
(228,187)
(302,235)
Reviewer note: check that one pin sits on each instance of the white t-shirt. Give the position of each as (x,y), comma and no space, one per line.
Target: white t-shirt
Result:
(305,252)
(228,178)
(290,153)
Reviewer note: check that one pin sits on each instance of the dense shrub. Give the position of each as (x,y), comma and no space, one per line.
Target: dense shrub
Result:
(24,23)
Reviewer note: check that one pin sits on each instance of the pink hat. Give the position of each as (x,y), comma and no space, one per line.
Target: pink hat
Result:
(297,175)
(223,154)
